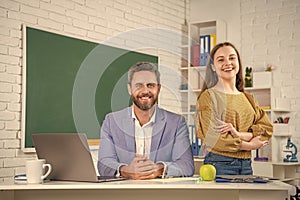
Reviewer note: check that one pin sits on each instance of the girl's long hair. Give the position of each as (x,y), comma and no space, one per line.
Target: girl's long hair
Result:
(211,77)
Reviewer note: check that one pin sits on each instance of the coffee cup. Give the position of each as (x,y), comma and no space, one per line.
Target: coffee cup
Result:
(35,171)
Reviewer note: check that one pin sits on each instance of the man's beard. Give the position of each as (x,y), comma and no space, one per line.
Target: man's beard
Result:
(145,106)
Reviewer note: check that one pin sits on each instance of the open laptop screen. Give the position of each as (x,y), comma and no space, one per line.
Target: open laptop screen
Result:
(69,155)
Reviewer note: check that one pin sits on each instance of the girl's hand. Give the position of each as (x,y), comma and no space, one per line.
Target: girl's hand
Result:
(224,127)
(256,143)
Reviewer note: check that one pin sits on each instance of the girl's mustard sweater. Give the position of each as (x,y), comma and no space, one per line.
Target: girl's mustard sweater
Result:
(241,110)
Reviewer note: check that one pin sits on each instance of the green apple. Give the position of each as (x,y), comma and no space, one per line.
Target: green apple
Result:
(207,172)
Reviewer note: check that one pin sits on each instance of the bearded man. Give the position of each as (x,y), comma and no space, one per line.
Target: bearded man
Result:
(144,141)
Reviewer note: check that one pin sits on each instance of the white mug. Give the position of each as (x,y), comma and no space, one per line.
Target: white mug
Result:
(35,170)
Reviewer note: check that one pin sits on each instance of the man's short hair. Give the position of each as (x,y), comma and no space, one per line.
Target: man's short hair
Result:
(143,66)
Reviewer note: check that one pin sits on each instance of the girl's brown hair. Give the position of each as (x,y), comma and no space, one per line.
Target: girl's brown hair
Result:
(211,77)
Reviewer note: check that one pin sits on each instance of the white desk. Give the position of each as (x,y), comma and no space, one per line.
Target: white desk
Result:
(186,188)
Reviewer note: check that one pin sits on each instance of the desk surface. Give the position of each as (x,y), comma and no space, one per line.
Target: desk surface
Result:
(173,183)
(167,189)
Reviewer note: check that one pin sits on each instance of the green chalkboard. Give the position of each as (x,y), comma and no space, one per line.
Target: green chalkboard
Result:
(71,84)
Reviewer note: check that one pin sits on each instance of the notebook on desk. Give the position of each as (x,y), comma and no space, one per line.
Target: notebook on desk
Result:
(241,179)
(70,157)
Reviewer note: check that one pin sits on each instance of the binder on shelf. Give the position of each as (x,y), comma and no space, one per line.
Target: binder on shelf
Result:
(206,48)
(196,55)
(202,55)
(194,140)
(191,133)
(200,152)
(213,41)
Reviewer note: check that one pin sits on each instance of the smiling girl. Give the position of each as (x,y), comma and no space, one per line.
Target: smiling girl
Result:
(228,120)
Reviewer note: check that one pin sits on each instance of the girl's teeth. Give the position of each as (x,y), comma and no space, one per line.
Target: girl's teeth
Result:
(227,70)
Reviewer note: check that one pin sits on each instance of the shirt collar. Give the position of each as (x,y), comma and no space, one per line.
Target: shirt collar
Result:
(152,117)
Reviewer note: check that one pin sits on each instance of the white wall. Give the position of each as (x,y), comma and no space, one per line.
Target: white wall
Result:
(228,11)
(120,23)
(270,35)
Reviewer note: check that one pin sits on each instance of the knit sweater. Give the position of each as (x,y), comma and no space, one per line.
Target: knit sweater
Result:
(241,110)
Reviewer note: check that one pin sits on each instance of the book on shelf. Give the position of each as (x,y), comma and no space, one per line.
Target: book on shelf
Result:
(265,107)
(193,108)
(196,55)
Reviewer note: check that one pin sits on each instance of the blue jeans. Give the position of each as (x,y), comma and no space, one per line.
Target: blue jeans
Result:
(228,165)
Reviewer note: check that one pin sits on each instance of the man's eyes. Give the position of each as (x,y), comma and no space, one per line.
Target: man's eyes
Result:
(139,85)
(151,85)
(148,85)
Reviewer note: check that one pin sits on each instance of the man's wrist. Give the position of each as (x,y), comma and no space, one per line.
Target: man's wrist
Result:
(120,172)
(163,169)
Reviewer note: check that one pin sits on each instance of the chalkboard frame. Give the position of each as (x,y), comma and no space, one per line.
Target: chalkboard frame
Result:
(25,65)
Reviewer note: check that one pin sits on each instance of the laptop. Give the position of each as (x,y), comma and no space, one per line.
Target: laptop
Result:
(70,157)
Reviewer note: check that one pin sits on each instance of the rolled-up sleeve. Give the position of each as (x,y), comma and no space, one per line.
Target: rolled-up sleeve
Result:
(262,125)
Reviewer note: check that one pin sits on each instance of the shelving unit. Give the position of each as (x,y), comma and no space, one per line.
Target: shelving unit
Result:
(280,135)
(275,106)
(270,98)
(193,76)
(263,96)
(198,162)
